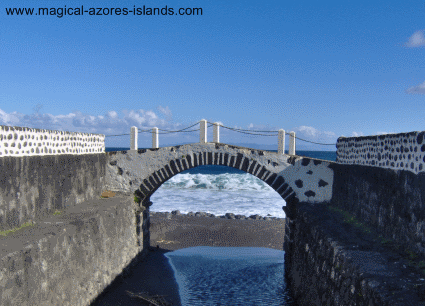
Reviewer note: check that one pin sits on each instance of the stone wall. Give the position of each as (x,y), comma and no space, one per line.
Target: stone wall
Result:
(70,258)
(22,141)
(33,186)
(391,202)
(403,151)
(329,261)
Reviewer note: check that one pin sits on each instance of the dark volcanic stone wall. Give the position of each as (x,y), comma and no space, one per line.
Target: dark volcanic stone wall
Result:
(391,202)
(33,186)
(403,151)
(330,262)
(69,259)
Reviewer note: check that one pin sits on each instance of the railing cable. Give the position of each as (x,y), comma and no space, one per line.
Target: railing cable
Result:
(243,131)
(324,144)
(179,130)
(247,132)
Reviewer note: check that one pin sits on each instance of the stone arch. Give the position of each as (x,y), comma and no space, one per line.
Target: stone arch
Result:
(294,178)
(176,166)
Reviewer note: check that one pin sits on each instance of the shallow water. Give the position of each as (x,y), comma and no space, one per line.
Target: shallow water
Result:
(230,276)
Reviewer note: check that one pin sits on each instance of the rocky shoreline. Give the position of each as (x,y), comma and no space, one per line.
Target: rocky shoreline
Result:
(231,216)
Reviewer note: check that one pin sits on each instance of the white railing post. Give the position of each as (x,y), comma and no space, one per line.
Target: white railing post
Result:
(292,143)
(281,142)
(133,138)
(155,142)
(216,132)
(203,136)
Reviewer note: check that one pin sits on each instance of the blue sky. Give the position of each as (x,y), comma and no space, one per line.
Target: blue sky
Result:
(323,69)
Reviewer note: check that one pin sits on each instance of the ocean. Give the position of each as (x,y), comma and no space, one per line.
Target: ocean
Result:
(219,275)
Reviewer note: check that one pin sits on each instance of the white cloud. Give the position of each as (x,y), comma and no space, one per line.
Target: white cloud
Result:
(357,134)
(151,115)
(313,134)
(262,127)
(166,111)
(420,89)
(136,117)
(307,131)
(79,122)
(310,133)
(112,114)
(8,119)
(416,40)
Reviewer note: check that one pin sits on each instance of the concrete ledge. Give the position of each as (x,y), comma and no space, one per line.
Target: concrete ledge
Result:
(332,262)
(70,258)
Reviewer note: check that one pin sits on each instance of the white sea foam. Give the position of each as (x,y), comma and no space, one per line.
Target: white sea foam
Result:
(224,181)
(238,193)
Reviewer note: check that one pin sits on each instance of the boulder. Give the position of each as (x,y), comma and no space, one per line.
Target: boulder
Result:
(230,216)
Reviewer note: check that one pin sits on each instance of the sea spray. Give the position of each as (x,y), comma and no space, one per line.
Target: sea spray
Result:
(218,190)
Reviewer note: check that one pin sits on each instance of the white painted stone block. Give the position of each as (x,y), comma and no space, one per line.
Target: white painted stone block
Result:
(291,143)
(133,138)
(203,134)
(155,142)
(281,142)
(216,132)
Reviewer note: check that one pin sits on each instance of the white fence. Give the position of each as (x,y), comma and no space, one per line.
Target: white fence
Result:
(216,137)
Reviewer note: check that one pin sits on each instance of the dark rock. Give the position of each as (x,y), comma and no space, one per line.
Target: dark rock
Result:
(230,216)
(255,217)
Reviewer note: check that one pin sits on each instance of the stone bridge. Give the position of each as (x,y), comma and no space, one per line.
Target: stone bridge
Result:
(295,178)
(354,229)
